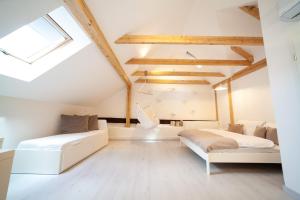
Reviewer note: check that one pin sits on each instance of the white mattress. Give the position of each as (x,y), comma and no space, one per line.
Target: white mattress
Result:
(244,141)
(57,142)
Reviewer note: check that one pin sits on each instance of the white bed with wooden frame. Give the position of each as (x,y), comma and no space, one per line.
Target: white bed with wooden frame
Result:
(231,156)
(240,155)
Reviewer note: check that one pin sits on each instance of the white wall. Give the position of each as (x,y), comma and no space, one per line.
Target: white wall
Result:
(113,106)
(223,108)
(251,97)
(281,39)
(25,119)
(168,102)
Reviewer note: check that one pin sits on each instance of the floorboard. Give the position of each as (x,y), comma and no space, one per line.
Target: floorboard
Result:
(137,170)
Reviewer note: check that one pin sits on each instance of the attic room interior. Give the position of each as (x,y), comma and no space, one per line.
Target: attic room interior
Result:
(151,99)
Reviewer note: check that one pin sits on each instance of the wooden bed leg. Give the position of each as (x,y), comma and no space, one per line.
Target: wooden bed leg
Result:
(207,168)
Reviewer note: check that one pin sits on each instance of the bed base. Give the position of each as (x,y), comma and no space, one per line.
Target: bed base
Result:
(48,161)
(224,157)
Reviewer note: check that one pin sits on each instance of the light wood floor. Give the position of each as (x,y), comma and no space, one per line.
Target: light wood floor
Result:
(137,170)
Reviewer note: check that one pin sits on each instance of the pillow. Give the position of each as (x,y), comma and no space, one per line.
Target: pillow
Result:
(236,128)
(74,124)
(93,123)
(250,125)
(260,131)
(272,135)
(270,124)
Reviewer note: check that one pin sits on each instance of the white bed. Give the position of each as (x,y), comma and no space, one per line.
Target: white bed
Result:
(55,154)
(251,150)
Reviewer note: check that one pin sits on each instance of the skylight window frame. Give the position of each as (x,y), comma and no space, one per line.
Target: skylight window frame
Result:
(40,54)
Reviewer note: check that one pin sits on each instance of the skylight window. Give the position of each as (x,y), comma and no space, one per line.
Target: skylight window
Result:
(35,40)
(38,46)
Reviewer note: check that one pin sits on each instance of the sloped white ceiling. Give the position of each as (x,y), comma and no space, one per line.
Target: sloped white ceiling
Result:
(83,79)
(86,78)
(176,17)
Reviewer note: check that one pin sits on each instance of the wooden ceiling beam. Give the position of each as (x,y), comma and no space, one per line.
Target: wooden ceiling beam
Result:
(243,53)
(177,73)
(230,103)
(223,82)
(251,10)
(153,61)
(128,106)
(168,81)
(85,17)
(252,68)
(190,40)
(248,70)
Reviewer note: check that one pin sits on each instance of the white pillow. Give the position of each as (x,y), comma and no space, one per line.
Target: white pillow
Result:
(270,124)
(250,126)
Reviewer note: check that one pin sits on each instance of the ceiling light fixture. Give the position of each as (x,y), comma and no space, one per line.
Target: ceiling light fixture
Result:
(193,56)
(144,50)
(221,88)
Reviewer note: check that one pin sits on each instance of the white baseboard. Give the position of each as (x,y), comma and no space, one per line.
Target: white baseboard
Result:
(291,193)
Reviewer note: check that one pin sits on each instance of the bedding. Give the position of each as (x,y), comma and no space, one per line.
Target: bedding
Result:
(270,124)
(243,140)
(250,149)
(56,153)
(93,123)
(272,135)
(249,126)
(236,128)
(56,142)
(209,141)
(74,124)
(260,131)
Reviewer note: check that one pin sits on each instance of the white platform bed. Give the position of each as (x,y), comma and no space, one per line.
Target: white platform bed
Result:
(247,153)
(55,154)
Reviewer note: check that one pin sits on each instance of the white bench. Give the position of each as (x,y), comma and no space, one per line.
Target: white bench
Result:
(55,154)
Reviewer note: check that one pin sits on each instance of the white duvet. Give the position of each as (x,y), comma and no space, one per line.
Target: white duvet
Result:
(245,141)
(56,142)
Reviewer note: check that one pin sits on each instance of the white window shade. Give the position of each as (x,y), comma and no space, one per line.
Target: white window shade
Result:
(34,40)
(35,48)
